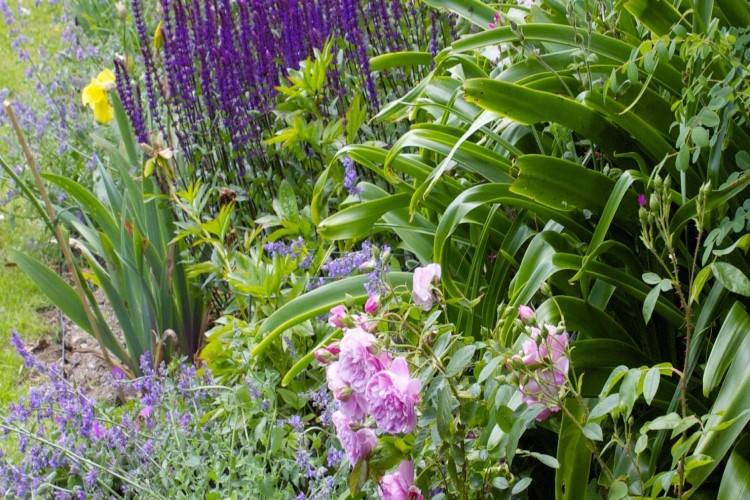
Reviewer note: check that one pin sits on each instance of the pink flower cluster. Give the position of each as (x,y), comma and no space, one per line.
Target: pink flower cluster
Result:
(367,382)
(374,391)
(546,353)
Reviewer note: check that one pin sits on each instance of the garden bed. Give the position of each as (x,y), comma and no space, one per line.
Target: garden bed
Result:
(384,249)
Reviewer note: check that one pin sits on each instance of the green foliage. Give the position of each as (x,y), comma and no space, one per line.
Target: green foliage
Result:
(124,238)
(523,172)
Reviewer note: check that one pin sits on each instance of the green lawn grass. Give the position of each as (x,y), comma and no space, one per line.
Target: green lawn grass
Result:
(20,300)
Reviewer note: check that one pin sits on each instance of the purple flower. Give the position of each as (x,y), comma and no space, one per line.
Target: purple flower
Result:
(350,176)
(296,422)
(185,420)
(146,412)
(392,396)
(423,285)
(642,200)
(348,263)
(90,478)
(334,457)
(358,444)
(400,485)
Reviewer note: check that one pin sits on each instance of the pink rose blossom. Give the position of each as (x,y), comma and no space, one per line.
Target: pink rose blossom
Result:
(392,396)
(352,404)
(400,484)
(337,316)
(336,384)
(543,392)
(548,355)
(357,444)
(423,284)
(373,304)
(357,359)
(525,313)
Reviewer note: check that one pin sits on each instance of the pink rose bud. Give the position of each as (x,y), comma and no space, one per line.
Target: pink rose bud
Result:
(334,348)
(337,316)
(372,304)
(323,356)
(525,313)
(328,354)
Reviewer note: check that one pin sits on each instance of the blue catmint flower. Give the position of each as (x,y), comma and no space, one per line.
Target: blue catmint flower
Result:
(334,457)
(348,263)
(90,478)
(296,422)
(350,176)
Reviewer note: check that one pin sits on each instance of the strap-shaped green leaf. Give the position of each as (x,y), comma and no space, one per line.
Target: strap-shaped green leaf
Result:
(573,454)
(730,414)
(316,303)
(528,106)
(659,17)
(359,220)
(599,44)
(472,157)
(735,482)
(474,11)
(400,60)
(565,185)
(733,331)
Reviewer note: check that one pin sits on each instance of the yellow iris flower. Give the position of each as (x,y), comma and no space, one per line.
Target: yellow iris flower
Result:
(158,36)
(95,96)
